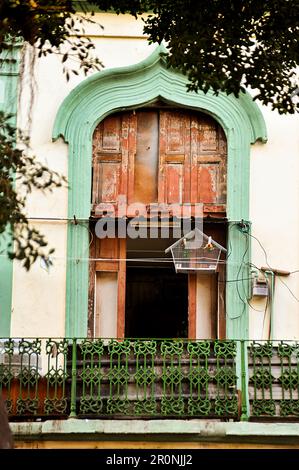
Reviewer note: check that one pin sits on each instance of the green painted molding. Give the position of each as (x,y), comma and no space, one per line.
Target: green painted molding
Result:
(77,277)
(131,87)
(6,277)
(9,74)
(237,293)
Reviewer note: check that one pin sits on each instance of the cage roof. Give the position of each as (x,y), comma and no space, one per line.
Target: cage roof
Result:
(190,235)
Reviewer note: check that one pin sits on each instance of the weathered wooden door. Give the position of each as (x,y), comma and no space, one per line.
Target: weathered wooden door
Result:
(192,160)
(174,157)
(149,156)
(171,157)
(108,256)
(114,149)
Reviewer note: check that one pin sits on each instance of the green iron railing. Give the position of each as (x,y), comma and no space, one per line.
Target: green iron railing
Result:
(149,378)
(273,379)
(154,378)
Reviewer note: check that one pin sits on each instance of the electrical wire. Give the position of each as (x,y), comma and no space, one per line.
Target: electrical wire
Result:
(78,221)
(242,265)
(236,280)
(271,269)
(267,302)
(239,280)
(95,219)
(264,318)
(264,251)
(291,292)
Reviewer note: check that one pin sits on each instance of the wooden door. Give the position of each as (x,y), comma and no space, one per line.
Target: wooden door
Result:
(168,156)
(208,162)
(192,160)
(174,157)
(108,255)
(114,148)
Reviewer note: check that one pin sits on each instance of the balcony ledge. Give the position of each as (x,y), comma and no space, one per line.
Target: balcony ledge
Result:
(192,431)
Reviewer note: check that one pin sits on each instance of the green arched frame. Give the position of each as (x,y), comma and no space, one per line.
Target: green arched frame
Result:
(123,88)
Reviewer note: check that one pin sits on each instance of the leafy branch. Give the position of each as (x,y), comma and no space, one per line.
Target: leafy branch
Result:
(227,46)
(52,27)
(20,173)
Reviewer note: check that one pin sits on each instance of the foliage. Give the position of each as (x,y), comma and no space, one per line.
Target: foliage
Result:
(51,26)
(222,45)
(20,173)
(227,45)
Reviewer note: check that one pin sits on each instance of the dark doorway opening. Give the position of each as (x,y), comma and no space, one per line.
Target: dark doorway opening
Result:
(156,303)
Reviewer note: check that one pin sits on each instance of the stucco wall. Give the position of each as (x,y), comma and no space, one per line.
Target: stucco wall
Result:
(274,205)
(39,296)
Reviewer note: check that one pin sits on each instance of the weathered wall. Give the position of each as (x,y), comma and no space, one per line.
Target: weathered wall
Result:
(274,205)
(39,296)
(38,304)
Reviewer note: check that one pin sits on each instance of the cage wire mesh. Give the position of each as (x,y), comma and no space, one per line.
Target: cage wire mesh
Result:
(196,252)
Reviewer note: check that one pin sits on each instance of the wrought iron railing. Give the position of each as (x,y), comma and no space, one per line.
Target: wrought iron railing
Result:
(149,378)
(273,376)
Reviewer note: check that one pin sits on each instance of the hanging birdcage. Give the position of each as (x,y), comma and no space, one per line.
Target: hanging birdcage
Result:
(196,252)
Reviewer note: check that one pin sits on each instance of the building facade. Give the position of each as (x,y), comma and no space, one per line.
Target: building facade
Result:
(111,329)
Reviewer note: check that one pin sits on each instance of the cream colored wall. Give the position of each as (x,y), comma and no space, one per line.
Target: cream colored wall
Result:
(274,208)
(38,305)
(39,296)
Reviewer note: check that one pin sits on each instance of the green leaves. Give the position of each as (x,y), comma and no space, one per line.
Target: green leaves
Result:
(227,46)
(19,167)
(222,46)
(48,25)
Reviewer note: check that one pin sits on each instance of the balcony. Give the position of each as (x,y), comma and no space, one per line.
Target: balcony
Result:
(149,379)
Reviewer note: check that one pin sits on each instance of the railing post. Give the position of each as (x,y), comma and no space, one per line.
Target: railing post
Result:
(244,382)
(73,413)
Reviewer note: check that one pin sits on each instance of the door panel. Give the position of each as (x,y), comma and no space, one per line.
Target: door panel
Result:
(207,182)
(146,162)
(174,156)
(106,305)
(208,161)
(114,145)
(109,139)
(174,149)
(109,175)
(107,157)
(108,256)
(208,136)
(192,159)
(174,183)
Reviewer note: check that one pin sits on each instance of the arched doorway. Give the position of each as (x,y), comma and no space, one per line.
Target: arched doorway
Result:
(139,85)
(153,157)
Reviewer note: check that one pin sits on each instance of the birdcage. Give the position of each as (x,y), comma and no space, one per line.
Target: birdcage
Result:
(196,252)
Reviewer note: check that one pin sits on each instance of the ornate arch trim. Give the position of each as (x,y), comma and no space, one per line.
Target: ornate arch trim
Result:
(134,86)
